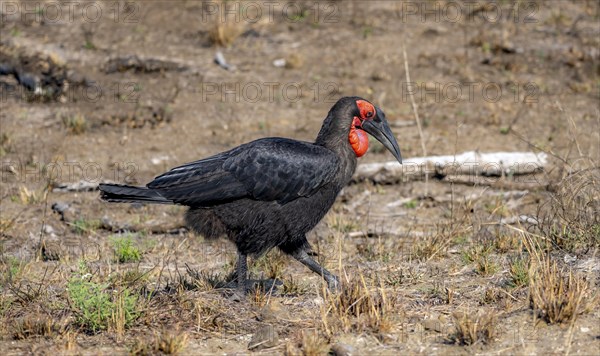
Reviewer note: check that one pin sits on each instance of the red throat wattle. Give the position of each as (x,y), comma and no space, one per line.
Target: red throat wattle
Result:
(359,140)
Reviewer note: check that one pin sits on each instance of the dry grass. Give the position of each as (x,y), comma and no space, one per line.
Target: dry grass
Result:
(569,217)
(169,341)
(32,325)
(313,344)
(291,286)
(357,307)
(225,28)
(294,61)
(224,34)
(27,196)
(76,124)
(558,296)
(272,264)
(473,328)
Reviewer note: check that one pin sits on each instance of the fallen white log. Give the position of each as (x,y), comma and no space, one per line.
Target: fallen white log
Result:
(471,163)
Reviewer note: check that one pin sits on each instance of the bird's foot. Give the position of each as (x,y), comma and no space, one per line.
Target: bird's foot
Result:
(333,283)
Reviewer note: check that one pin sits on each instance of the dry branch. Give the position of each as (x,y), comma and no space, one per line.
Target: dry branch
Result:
(470,163)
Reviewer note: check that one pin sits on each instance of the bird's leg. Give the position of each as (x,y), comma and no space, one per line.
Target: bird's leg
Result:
(302,256)
(242,272)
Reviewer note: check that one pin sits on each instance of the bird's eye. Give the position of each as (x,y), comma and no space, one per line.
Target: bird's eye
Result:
(370,114)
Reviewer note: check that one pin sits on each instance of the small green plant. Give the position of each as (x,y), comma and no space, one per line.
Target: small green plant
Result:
(486,266)
(519,272)
(76,124)
(81,225)
(89,45)
(11,268)
(481,255)
(98,307)
(5,144)
(411,204)
(124,250)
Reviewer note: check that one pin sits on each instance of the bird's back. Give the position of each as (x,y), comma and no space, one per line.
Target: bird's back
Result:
(269,170)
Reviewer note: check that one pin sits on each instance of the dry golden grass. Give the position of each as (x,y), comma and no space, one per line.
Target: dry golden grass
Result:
(473,328)
(357,307)
(558,296)
(555,294)
(225,28)
(272,264)
(32,325)
(294,61)
(313,344)
(167,342)
(224,34)
(27,196)
(76,124)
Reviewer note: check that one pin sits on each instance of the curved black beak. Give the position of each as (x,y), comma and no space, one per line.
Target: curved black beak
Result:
(380,129)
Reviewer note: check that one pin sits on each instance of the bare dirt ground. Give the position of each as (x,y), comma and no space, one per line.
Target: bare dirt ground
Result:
(123,91)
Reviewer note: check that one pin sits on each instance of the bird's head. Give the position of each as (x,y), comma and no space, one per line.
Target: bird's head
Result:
(349,121)
(367,118)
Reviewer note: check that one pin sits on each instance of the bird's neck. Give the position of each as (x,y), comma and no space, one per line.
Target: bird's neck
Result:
(338,143)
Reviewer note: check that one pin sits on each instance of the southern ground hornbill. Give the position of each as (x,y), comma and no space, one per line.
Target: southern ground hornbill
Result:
(270,192)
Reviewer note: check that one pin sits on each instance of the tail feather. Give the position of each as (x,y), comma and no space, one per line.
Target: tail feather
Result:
(117,193)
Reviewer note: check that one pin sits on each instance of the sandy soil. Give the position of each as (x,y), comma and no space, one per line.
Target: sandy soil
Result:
(123,91)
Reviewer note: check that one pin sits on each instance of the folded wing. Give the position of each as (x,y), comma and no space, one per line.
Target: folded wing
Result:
(273,169)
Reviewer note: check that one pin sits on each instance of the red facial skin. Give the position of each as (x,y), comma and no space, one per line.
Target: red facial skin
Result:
(359,140)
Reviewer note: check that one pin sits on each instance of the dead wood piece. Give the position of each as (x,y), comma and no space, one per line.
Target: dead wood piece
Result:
(472,164)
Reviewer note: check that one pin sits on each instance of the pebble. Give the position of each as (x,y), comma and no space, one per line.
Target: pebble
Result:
(341,349)
(279,63)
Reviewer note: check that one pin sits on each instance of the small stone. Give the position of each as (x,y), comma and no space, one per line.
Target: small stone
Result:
(432,324)
(341,349)
(570,259)
(318,301)
(48,229)
(60,207)
(279,63)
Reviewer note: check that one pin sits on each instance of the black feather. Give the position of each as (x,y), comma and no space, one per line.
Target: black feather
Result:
(127,194)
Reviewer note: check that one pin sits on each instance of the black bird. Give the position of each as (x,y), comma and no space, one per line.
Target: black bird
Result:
(270,192)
